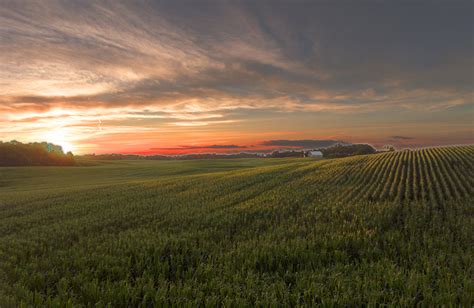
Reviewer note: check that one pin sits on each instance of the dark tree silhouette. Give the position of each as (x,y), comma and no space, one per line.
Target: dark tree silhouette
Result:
(347,150)
(15,153)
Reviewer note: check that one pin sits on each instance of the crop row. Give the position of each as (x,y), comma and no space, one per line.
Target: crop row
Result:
(433,175)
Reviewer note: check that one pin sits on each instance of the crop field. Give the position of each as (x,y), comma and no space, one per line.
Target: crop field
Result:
(392,228)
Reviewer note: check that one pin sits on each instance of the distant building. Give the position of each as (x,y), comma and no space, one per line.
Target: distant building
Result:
(317,154)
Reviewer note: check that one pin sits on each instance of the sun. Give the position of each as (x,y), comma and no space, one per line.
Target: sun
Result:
(60,137)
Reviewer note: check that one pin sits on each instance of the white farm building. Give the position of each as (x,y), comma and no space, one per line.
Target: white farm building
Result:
(318,154)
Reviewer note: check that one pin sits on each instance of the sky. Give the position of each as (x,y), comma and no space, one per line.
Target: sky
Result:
(168,77)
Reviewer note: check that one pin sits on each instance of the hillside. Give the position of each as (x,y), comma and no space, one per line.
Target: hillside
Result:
(390,228)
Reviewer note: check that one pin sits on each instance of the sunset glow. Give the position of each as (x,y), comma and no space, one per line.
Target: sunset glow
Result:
(60,137)
(164,78)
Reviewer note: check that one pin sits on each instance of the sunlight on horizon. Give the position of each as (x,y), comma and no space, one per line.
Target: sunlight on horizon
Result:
(61,137)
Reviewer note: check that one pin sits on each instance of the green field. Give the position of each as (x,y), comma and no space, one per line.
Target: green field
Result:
(393,228)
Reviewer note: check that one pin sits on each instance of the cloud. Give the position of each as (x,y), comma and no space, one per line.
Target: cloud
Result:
(303,143)
(122,53)
(400,138)
(214,66)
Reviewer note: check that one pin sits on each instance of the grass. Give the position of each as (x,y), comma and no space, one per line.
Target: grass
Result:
(392,228)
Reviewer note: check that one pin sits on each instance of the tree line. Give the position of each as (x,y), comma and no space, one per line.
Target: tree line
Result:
(336,151)
(347,150)
(168,157)
(330,152)
(15,153)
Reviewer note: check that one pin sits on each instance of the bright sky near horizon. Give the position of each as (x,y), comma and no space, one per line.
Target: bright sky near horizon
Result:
(195,76)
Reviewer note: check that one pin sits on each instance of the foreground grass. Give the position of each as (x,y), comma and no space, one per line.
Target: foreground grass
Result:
(392,228)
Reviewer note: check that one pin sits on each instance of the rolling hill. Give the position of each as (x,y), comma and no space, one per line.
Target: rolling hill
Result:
(393,228)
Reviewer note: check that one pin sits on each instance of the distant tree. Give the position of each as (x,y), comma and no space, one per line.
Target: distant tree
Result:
(283,154)
(347,150)
(172,157)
